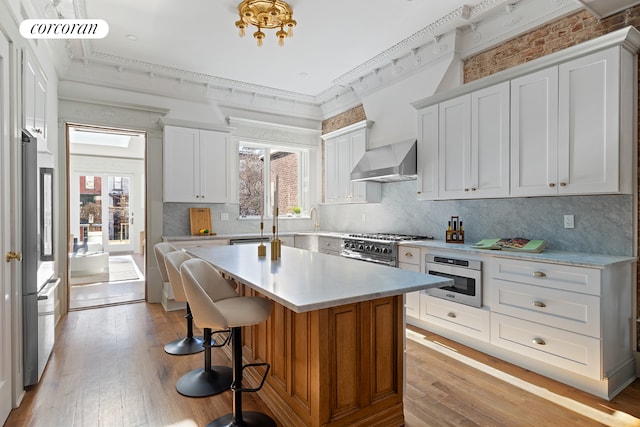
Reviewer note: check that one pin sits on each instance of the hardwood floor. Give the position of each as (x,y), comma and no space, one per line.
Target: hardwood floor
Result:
(109,369)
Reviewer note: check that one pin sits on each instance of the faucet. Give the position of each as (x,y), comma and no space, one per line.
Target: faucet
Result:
(313,213)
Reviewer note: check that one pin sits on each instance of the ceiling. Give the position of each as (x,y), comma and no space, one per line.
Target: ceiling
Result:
(333,37)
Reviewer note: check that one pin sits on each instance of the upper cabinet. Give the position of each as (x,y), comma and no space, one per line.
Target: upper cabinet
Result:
(463,146)
(195,165)
(343,150)
(534,133)
(566,128)
(34,101)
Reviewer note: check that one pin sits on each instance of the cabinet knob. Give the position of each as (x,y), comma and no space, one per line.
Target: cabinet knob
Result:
(563,184)
(538,341)
(538,274)
(552,184)
(466,189)
(539,304)
(451,314)
(473,189)
(37,130)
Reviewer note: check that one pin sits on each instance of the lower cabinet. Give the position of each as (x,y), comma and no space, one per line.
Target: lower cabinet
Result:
(411,258)
(572,323)
(329,245)
(560,348)
(463,319)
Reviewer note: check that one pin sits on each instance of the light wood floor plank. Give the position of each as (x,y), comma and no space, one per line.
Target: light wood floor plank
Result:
(109,369)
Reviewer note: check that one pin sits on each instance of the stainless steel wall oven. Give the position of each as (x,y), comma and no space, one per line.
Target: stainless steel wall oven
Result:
(466,275)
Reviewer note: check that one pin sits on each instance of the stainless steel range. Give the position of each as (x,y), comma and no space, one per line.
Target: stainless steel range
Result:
(380,248)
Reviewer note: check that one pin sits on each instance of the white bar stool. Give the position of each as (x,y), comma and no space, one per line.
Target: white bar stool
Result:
(188,344)
(211,379)
(216,304)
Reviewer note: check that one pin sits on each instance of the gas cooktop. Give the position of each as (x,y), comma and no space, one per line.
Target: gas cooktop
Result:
(388,237)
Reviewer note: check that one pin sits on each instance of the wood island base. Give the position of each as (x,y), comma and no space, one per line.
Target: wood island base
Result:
(339,366)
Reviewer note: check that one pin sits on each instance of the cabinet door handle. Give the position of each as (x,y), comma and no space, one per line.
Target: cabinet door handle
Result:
(563,184)
(451,314)
(539,304)
(473,189)
(552,184)
(538,274)
(538,341)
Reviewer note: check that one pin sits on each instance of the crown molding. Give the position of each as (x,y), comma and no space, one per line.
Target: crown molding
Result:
(255,130)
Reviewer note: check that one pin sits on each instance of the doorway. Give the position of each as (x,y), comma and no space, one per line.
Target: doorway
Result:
(106,183)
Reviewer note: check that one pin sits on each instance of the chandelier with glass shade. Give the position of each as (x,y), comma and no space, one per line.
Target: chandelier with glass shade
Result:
(270,14)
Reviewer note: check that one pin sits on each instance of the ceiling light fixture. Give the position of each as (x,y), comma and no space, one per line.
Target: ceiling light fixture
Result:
(269,14)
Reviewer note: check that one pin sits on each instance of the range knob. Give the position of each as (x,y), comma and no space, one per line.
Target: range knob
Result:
(368,247)
(385,251)
(377,249)
(361,247)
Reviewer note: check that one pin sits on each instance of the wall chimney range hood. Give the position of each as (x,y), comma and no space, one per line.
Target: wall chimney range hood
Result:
(389,163)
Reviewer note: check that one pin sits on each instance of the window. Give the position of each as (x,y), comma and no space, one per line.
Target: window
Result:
(259,165)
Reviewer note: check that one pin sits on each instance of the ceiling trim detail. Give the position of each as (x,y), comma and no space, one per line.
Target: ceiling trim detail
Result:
(257,131)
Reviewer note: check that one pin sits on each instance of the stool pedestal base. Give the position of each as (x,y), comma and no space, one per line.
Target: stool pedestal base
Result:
(183,346)
(249,419)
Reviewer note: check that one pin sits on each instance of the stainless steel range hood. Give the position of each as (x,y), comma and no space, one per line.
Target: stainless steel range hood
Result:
(389,163)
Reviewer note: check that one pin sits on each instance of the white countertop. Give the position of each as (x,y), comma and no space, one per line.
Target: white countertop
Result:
(304,281)
(550,256)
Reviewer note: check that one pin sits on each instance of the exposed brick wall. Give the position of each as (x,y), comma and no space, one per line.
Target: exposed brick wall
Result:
(285,166)
(349,117)
(557,35)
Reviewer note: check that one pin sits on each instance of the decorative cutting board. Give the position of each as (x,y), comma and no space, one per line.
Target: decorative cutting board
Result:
(200,219)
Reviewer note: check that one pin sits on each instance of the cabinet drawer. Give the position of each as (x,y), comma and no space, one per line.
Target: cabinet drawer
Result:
(471,321)
(329,244)
(409,255)
(564,277)
(561,309)
(562,349)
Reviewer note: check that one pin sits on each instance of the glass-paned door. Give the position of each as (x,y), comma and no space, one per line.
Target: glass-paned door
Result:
(119,191)
(104,215)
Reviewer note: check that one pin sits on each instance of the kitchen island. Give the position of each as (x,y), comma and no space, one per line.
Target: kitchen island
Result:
(335,340)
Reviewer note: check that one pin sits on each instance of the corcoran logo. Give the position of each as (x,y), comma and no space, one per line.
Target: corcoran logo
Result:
(64,29)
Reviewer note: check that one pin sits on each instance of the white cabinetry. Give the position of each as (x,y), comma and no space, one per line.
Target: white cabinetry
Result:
(427,153)
(462,319)
(410,258)
(195,165)
(463,148)
(569,133)
(329,245)
(571,117)
(35,101)
(474,144)
(306,241)
(534,133)
(571,318)
(343,150)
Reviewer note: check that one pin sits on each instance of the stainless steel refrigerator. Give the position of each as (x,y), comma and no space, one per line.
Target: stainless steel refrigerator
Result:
(38,283)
